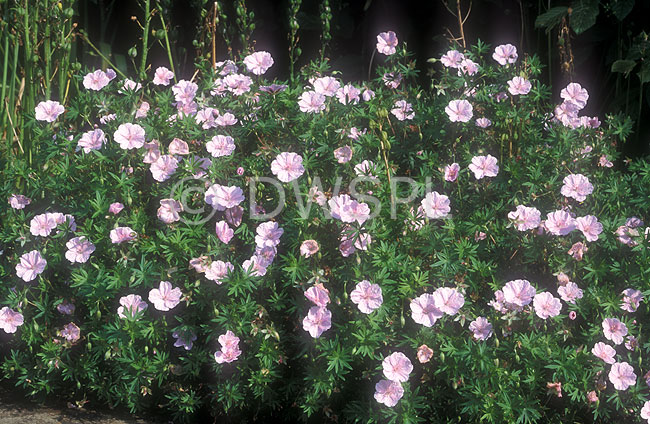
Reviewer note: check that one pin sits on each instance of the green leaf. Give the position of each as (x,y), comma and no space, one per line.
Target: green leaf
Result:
(623,66)
(621,8)
(551,18)
(584,15)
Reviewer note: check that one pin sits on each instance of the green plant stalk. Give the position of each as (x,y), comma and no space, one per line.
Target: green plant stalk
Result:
(167,46)
(28,91)
(3,108)
(48,52)
(145,38)
(638,119)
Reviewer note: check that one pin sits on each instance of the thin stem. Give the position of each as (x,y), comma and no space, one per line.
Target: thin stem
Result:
(145,38)
(214,35)
(107,60)
(169,50)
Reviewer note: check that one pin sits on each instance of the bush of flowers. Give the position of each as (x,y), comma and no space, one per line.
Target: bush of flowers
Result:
(223,244)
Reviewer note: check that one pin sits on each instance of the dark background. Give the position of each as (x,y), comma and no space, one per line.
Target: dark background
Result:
(421,24)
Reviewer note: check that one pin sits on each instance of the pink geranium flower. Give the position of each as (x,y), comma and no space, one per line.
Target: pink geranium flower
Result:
(184,339)
(70,332)
(10,320)
(570,292)
(221,145)
(48,111)
(483,122)
(403,110)
(481,328)
(218,270)
(559,223)
(258,62)
(168,211)
(42,225)
(318,295)
(225,120)
(614,330)
(436,205)
(229,348)
(645,411)
(122,234)
(386,43)
(397,367)
(574,93)
(165,297)
(367,296)
(622,375)
(317,321)
(484,166)
(115,208)
(388,392)
(79,249)
(19,201)
(604,352)
(525,218)
(451,172)
(576,186)
(31,264)
(448,300)
(162,76)
(311,102)
(577,250)
(184,91)
(131,305)
(92,140)
(164,167)
(224,232)
(424,310)
(343,154)
(505,54)
(589,226)
(309,248)
(452,59)
(227,196)
(287,166)
(327,86)
(424,354)
(459,111)
(468,67)
(546,305)
(518,292)
(519,85)
(179,147)
(96,80)
(348,94)
(631,299)
(130,136)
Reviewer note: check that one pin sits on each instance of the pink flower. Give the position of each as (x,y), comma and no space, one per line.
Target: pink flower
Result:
(317,321)
(576,186)
(130,136)
(225,120)
(218,270)
(632,343)
(65,308)
(224,232)
(10,320)
(184,91)
(162,76)
(481,328)
(484,166)
(577,250)
(258,62)
(343,154)
(367,296)
(468,67)
(221,145)
(505,54)
(570,292)
(165,297)
(42,225)
(348,94)
(237,84)
(184,339)
(614,330)
(519,85)
(397,367)
(572,315)
(79,249)
(122,234)
(225,67)
(268,234)
(392,80)
(18,201)
(229,348)
(131,305)
(287,166)
(318,295)
(365,168)
(518,292)
(574,93)
(645,411)
(92,140)
(31,264)
(386,43)
(631,300)
(592,397)
(589,226)
(603,161)
(483,122)
(546,305)
(388,392)
(164,167)
(309,248)
(206,118)
(178,147)
(153,152)
(459,111)
(327,86)
(424,354)
(70,332)
(367,95)
(622,375)
(452,59)
(424,310)
(451,172)
(525,218)
(559,223)
(223,197)
(168,210)
(436,205)
(403,110)
(554,389)
(96,80)
(311,102)
(448,300)
(48,111)
(234,216)
(107,118)
(115,208)
(129,86)
(142,110)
